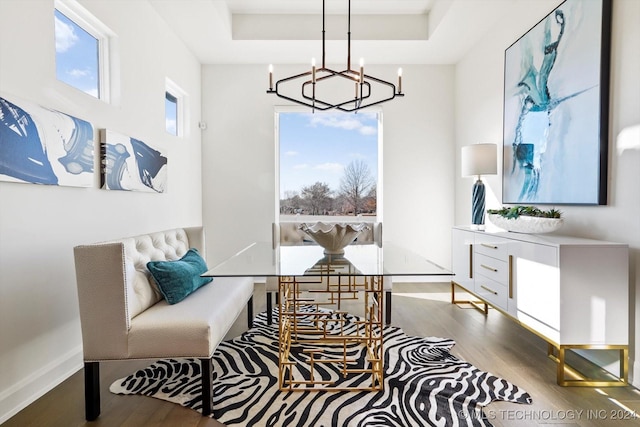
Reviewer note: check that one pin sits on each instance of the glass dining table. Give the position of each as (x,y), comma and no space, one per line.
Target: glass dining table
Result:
(311,334)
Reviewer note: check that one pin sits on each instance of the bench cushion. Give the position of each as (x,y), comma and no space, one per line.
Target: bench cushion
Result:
(195,326)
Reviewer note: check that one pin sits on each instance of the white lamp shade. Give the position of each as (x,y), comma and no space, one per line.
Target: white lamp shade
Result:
(479,159)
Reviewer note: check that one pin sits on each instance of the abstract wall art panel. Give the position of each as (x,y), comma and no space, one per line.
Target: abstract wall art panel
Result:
(131,165)
(556,108)
(44,146)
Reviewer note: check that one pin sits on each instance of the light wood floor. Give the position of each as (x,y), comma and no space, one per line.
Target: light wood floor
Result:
(492,343)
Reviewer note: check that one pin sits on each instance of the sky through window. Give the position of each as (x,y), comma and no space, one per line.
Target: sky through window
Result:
(77,56)
(316,147)
(171,113)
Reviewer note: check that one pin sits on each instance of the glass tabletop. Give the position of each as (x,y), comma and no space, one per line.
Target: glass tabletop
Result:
(262,260)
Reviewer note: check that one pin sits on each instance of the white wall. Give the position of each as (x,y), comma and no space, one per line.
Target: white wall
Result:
(239,196)
(479,95)
(40,342)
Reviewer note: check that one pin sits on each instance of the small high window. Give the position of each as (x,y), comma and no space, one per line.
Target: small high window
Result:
(175,109)
(81,49)
(171,113)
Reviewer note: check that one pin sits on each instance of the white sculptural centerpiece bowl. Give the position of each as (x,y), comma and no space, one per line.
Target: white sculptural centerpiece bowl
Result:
(333,237)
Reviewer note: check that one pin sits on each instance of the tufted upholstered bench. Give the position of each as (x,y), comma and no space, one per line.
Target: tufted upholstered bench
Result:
(289,234)
(124,316)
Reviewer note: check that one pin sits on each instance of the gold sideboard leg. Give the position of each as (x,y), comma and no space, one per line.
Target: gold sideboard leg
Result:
(624,364)
(551,352)
(582,380)
(477,304)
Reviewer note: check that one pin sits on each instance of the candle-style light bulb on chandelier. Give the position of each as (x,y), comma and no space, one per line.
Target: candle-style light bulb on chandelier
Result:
(319,85)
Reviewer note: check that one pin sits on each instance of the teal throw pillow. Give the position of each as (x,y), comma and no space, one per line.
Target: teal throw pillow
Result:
(178,279)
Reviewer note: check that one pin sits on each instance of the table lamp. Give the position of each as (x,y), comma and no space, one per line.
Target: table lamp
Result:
(478,160)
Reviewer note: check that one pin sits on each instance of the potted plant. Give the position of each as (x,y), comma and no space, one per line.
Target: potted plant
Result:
(526,219)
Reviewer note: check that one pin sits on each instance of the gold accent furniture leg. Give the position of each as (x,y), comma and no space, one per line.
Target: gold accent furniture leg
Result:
(557,353)
(478,304)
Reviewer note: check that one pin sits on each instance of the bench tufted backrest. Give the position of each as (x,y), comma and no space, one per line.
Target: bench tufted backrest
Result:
(114,285)
(142,291)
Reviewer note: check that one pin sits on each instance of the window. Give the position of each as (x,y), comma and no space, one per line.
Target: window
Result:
(81,43)
(329,164)
(175,113)
(171,113)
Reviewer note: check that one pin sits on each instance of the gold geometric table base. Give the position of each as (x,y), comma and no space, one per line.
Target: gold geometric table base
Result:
(299,325)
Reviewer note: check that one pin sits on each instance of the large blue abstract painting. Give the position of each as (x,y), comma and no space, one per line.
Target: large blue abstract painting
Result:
(131,165)
(556,94)
(43,146)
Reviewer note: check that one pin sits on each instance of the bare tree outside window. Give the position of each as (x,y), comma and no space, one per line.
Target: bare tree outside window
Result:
(291,203)
(356,185)
(317,198)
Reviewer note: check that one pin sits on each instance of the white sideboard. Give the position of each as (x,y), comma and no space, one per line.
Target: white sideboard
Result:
(570,291)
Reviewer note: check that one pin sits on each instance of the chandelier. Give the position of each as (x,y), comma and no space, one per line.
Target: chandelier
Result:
(324,89)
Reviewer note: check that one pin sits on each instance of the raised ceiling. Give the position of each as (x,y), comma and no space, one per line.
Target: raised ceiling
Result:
(290,31)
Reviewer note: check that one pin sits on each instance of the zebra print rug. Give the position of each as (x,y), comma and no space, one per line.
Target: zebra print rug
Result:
(424,384)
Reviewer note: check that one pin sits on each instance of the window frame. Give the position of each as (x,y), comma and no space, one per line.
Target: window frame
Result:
(89,23)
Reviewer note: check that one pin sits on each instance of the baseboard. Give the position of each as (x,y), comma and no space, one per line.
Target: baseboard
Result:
(28,390)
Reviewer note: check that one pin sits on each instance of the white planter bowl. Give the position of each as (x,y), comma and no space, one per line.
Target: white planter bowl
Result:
(333,237)
(526,224)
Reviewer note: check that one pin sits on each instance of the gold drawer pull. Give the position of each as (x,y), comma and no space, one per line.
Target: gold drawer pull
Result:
(510,276)
(495,270)
(486,245)
(488,289)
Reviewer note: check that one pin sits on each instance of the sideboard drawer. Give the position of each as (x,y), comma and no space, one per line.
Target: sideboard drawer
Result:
(491,246)
(493,292)
(492,268)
